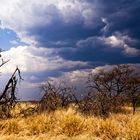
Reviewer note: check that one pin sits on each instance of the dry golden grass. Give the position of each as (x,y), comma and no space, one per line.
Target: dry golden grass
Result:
(67,124)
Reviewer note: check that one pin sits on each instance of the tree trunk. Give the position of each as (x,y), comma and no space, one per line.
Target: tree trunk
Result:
(134,107)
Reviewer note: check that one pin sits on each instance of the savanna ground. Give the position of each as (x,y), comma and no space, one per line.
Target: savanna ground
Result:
(69,124)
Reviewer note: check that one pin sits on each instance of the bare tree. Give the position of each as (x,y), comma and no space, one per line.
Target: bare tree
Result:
(57,96)
(110,87)
(8,97)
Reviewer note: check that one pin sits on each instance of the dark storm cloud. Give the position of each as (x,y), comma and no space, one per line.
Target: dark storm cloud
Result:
(98,52)
(112,26)
(62,33)
(61,24)
(121,16)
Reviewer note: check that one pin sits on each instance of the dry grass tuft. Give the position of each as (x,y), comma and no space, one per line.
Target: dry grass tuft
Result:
(39,124)
(133,128)
(10,126)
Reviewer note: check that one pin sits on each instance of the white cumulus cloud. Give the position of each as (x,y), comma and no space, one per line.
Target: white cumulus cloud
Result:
(35,59)
(122,41)
(23,15)
(117,40)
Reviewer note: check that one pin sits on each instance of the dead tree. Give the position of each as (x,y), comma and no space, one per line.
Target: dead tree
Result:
(8,97)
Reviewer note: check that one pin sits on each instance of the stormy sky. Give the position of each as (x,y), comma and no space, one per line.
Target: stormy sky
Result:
(65,39)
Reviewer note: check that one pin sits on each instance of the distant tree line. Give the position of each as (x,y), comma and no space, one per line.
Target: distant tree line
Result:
(107,91)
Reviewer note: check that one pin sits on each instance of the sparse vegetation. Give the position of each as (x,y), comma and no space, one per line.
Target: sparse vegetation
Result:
(105,112)
(108,92)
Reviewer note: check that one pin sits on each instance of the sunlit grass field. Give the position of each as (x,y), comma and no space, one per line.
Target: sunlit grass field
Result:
(69,124)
